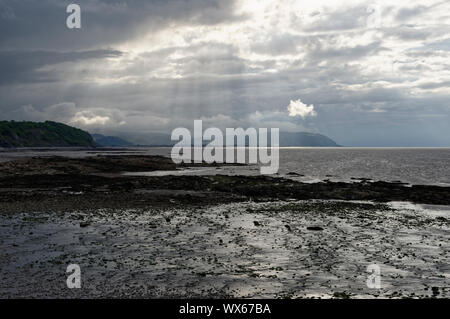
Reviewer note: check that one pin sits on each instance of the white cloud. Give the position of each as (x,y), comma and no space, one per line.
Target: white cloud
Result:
(298,108)
(88,118)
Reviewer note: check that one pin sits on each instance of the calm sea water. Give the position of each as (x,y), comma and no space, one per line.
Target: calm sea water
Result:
(408,165)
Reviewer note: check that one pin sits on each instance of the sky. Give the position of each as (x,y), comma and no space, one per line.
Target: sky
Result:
(364,73)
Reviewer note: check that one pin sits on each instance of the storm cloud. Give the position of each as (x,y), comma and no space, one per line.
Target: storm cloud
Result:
(375,75)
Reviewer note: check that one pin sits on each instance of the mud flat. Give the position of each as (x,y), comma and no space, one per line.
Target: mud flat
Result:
(214,236)
(296,249)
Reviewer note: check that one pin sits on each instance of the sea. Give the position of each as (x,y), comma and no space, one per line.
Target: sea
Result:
(424,166)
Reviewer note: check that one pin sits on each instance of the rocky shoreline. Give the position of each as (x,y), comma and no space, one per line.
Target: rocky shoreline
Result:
(59,183)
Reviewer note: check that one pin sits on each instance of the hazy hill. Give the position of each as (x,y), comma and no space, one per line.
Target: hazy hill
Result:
(286,139)
(305,139)
(53,134)
(103,140)
(42,134)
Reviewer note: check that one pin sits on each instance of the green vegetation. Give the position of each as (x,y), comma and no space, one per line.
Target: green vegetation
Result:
(42,134)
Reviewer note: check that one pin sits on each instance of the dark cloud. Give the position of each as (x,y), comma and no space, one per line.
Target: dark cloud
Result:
(25,66)
(344,18)
(435,85)
(443,45)
(407,13)
(41,24)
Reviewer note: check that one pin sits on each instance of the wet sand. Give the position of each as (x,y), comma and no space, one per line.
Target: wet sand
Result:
(214,236)
(249,250)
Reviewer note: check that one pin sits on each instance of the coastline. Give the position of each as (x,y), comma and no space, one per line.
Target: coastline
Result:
(212,236)
(99,181)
